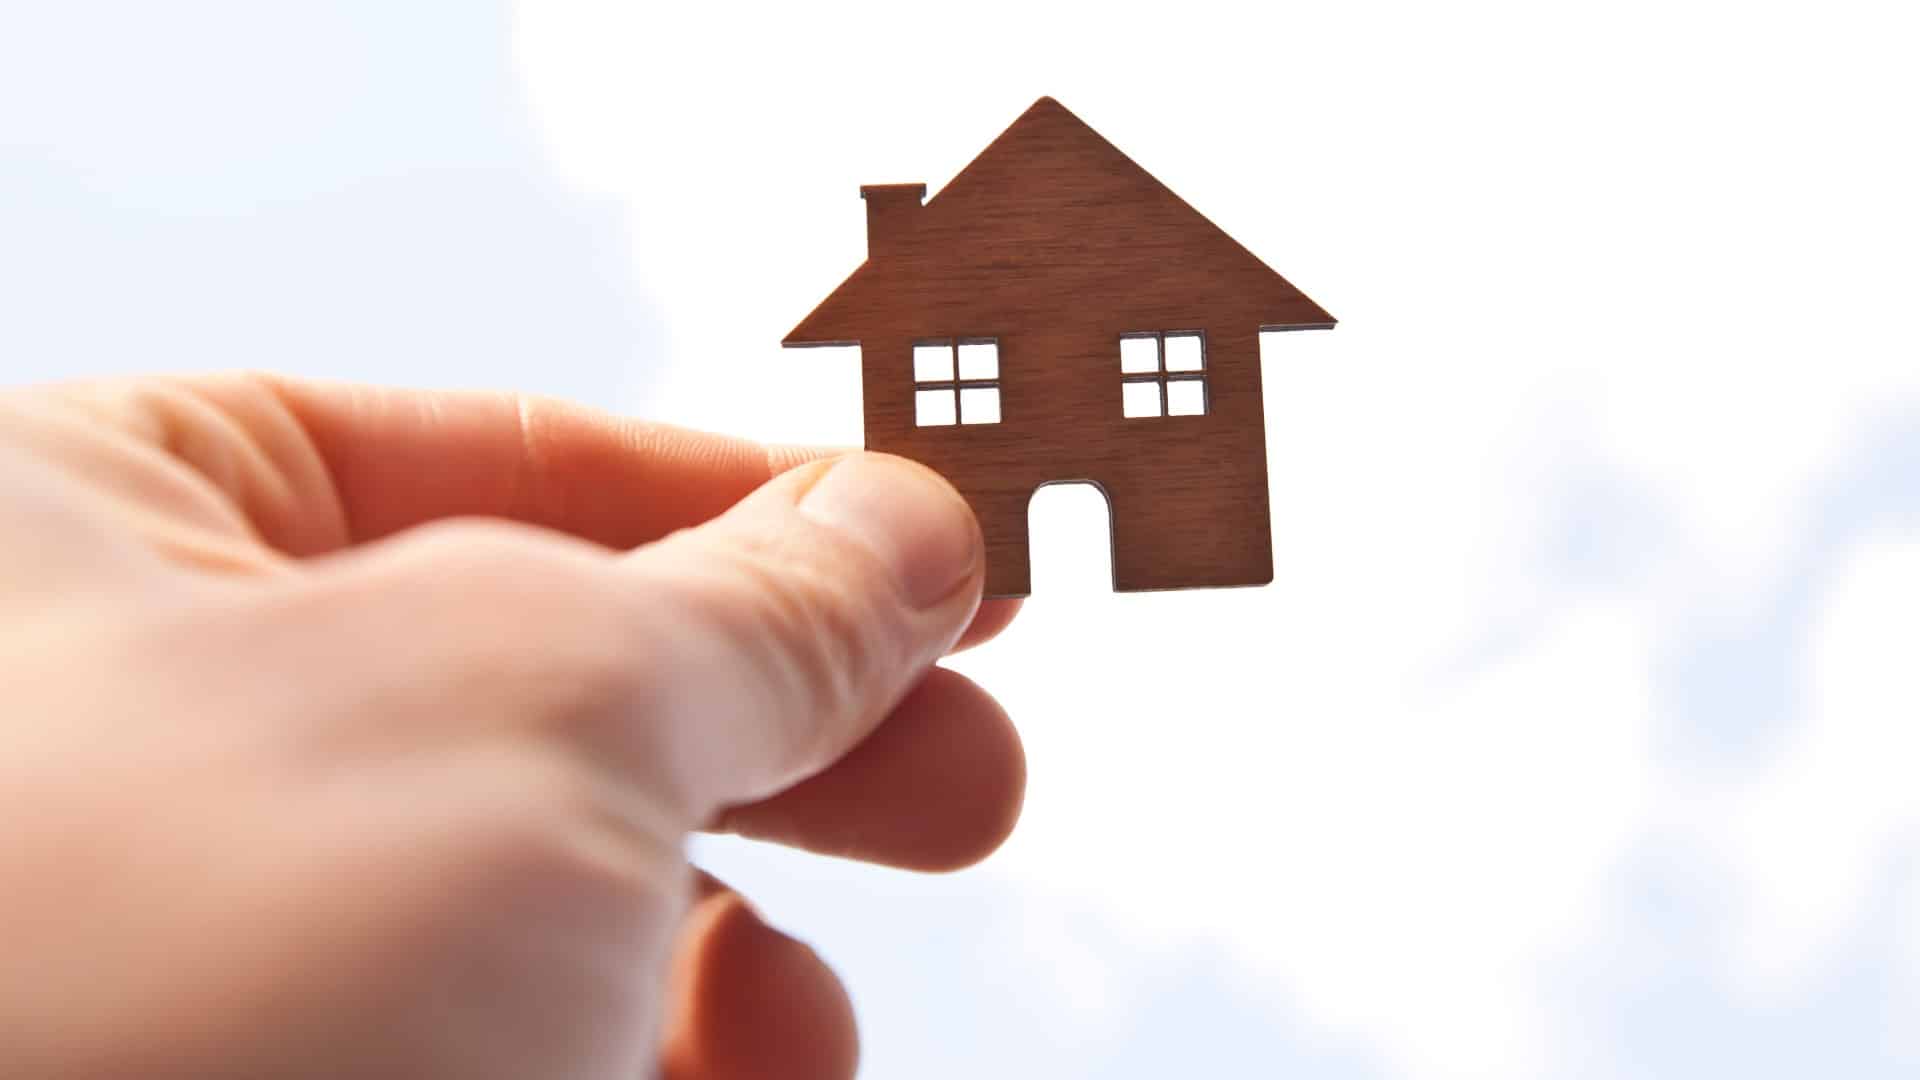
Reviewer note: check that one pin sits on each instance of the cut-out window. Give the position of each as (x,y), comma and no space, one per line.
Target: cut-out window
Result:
(933,408)
(1163,373)
(1140,399)
(1139,355)
(956,381)
(1182,351)
(933,363)
(979,361)
(979,404)
(1186,397)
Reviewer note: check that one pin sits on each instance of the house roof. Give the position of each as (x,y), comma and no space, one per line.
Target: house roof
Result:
(1021,164)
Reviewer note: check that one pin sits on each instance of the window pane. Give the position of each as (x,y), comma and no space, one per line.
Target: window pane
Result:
(979,360)
(980,404)
(933,363)
(932,408)
(1186,397)
(1184,352)
(1139,355)
(1140,399)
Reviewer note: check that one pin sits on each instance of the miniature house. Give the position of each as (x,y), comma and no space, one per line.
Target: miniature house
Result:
(1056,314)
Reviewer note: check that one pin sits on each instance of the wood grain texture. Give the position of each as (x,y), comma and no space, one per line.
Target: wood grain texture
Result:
(1054,245)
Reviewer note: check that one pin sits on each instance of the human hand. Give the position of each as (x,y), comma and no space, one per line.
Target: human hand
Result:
(343,734)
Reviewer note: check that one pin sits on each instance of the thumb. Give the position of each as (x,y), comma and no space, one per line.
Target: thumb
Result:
(796,620)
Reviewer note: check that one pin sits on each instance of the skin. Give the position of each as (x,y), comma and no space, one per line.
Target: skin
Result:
(357,732)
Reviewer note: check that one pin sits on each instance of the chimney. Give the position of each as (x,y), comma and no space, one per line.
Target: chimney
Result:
(890,212)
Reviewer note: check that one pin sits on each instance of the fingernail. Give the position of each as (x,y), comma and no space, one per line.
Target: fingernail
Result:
(915,522)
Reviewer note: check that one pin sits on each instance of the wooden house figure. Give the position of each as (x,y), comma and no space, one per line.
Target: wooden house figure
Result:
(1056,314)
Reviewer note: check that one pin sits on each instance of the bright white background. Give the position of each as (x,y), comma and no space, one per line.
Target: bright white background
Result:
(1577,733)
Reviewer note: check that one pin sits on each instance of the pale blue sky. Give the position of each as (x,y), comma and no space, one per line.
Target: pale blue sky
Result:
(1574,736)
(345,190)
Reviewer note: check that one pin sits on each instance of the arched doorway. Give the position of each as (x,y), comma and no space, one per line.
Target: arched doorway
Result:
(1070,538)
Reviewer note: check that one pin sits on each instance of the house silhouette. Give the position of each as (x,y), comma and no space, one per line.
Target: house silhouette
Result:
(1057,314)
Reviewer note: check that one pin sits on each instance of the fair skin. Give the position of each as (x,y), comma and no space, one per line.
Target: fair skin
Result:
(353,732)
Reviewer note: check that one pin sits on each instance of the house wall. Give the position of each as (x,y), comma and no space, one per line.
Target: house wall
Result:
(1187,493)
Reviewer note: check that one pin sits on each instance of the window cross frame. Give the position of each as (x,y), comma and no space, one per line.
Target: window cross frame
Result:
(1160,376)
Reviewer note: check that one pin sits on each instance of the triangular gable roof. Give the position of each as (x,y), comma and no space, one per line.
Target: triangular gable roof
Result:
(1070,142)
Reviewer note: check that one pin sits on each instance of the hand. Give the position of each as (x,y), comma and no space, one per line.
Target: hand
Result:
(341,733)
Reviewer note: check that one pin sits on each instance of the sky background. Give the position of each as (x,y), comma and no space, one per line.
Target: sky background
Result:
(1577,733)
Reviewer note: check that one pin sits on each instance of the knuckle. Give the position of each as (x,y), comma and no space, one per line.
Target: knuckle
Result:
(473,550)
(519,624)
(557,818)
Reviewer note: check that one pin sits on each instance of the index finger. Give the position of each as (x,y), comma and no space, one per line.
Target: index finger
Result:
(399,458)
(316,465)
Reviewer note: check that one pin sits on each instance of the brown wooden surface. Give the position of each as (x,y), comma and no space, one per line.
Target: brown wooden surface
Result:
(1055,245)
